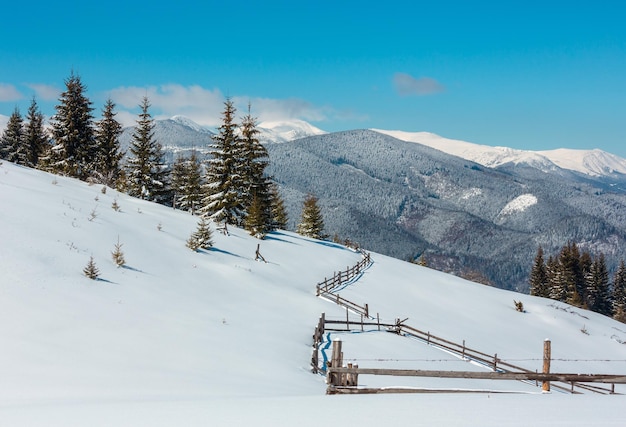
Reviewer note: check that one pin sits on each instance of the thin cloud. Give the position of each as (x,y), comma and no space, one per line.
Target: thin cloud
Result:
(205,106)
(407,85)
(45,92)
(9,93)
(268,109)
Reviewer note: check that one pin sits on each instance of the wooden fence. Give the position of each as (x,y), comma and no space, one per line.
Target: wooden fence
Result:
(341,277)
(326,289)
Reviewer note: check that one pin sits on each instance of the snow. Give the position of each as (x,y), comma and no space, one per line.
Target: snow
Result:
(519,204)
(3,122)
(286,130)
(590,162)
(216,338)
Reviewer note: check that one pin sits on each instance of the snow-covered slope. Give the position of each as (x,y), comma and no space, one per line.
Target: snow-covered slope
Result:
(217,338)
(286,130)
(591,162)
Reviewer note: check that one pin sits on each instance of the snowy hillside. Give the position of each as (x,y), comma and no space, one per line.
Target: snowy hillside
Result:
(590,162)
(216,338)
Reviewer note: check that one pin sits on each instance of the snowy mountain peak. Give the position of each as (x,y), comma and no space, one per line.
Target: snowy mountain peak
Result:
(186,121)
(590,162)
(287,130)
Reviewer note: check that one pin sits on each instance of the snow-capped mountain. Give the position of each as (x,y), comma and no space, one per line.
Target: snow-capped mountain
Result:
(596,163)
(287,130)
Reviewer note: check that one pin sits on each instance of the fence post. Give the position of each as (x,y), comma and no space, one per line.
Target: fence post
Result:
(547,355)
(361,322)
(495,362)
(463,353)
(367,311)
(378,320)
(335,362)
(347,319)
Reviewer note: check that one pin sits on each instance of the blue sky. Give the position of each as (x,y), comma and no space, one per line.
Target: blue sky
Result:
(520,74)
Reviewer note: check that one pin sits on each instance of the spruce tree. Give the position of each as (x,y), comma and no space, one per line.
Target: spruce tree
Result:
(91,270)
(74,152)
(257,218)
(146,169)
(202,238)
(224,181)
(256,184)
(539,277)
(311,223)
(187,183)
(278,212)
(598,296)
(35,137)
(619,293)
(11,147)
(109,154)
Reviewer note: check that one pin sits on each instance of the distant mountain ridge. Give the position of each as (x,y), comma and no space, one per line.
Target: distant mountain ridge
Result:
(594,162)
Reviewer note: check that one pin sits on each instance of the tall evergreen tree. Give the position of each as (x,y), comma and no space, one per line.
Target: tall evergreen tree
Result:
(11,147)
(279,218)
(598,296)
(256,184)
(311,224)
(619,293)
(109,154)
(224,180)
(146,169)
(187,183)
(35,137)
(75,150)
(556,280)
(573,276)
(539,276)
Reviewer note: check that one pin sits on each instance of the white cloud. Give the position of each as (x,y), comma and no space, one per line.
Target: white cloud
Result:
(9,93)
(268,109)
(45,92)
(407,85)
(201,105)
(205,106)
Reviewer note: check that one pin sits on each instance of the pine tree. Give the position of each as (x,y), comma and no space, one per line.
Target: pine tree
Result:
(572,274)
(598,288)
(202,238)
(118,255)
(35,138)
(75,150)
(11,147)
(278,213)
(257,218)
(91,270)
(539,277)
(556,280)
(187,183)
(311,223)
(109,153)
(224,182)
(146,170)
(255,160)
(619,293)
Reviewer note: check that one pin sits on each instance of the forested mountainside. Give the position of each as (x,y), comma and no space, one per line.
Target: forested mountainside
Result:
(408,200)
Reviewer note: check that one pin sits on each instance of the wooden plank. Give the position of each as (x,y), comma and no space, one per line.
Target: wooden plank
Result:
(407,390)
(487,375)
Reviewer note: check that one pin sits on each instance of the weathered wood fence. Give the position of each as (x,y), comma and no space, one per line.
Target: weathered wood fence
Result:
(500,368)
(341,277)
(344,380)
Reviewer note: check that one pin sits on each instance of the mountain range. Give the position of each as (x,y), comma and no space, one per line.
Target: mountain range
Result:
(472,210)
